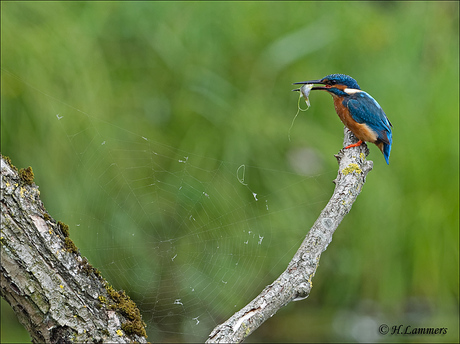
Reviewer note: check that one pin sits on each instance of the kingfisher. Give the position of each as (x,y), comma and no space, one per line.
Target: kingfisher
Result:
(356,109)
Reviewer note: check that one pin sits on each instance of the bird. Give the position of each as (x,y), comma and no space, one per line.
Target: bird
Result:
(357,110)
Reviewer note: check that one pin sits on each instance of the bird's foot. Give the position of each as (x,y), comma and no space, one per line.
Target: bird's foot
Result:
(359,143)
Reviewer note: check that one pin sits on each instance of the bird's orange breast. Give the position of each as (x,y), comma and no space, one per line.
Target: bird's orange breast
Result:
(361,130)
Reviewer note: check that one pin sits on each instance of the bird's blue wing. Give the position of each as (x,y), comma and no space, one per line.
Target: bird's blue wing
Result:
(365,109)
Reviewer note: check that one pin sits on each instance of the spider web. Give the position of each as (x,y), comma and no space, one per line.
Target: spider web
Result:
(191,239)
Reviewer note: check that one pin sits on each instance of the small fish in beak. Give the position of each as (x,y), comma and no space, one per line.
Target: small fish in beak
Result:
(305,91)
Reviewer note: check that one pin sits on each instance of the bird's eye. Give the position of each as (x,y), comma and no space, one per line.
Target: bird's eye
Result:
(332,82)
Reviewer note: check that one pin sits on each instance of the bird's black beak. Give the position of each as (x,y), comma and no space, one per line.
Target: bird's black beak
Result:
(310,82)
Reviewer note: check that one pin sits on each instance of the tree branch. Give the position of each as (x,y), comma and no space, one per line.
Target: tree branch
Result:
(57,295)
(295,282)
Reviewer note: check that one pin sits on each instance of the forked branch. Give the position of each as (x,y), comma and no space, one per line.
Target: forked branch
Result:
(295,282)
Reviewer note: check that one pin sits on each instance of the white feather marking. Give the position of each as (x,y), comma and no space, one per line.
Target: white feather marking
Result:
(351,90)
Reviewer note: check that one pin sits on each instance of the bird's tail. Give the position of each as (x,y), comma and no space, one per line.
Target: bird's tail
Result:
(385,148)
(386,152)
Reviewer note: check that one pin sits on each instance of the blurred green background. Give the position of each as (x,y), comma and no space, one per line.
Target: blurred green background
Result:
(210,83)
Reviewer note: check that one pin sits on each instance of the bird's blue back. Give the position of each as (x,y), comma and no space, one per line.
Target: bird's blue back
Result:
(365,109)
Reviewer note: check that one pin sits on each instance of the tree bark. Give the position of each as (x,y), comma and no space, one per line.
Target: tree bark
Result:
(295,282)
(57,295)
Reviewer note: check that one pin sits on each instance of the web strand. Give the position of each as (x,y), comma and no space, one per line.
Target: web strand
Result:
(188,236)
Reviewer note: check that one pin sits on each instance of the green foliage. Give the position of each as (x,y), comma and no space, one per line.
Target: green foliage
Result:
(26,175)
(213,79)
(70,245)
(126,307)
(64,228)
